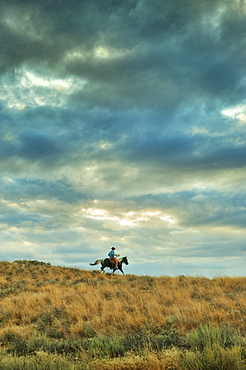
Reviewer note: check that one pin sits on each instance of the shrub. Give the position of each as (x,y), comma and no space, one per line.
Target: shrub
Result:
(105,346)
(136,341)
(18,348)
(139,341)
(54,322)
(215,348)
(41,361)
(39,342)
(205,336)
(65,347)
(214,358)
(167,360)
(11,335)
(168,339)
(87,331)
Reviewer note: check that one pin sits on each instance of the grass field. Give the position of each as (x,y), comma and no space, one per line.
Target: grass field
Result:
(53,317)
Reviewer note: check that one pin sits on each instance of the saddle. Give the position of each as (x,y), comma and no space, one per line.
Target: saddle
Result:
(112,264)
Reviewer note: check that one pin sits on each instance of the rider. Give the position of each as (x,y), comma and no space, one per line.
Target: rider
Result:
(113,256)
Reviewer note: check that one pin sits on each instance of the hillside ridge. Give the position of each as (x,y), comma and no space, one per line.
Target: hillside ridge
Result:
(60,311)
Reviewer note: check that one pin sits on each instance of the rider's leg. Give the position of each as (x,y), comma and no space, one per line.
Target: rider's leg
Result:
(115,261)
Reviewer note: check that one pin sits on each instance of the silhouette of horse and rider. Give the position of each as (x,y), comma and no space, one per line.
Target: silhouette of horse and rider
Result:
(112,262)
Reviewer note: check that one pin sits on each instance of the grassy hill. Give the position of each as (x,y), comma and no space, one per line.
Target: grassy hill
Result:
(54,317)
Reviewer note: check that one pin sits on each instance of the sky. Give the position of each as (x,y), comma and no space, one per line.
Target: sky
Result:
(123,123)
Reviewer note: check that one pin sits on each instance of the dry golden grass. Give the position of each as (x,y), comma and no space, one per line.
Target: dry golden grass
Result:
(43,306)
(167,360)
(74,298)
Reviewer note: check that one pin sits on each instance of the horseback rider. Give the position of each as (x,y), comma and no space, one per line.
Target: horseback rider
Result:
(112,256)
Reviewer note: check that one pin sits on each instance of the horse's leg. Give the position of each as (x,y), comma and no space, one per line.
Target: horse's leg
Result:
(119,269)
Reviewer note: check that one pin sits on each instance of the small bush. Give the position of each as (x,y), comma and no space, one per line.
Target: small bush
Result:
(41,361)
(214,358)
(18,348)
(215,348)
(87,331)
(39,342)
(168,339)
(10,335)
(167,360)
(105,347)
(54,322)
(140,341)
(205,336)
(65,347)
(136,342)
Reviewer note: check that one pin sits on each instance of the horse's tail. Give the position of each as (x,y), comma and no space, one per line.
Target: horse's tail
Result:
(96,262)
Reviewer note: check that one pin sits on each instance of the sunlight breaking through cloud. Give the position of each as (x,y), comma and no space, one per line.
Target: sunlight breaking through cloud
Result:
(29,90)
(237,112)
(128,219)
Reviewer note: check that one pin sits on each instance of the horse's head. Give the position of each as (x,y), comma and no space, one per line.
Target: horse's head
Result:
(125,260)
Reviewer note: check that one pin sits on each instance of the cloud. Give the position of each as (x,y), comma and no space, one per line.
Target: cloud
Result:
(130,46)
(36,145)
(123,123)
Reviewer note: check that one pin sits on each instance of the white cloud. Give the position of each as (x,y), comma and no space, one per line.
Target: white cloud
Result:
(237,112)
(129,219)
(28,89)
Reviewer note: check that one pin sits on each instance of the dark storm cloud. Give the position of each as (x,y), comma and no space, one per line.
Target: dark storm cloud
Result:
(123,122)
(39,188)
(167,53)
(191,152)
(35,145)
(128,143)
(18,218)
